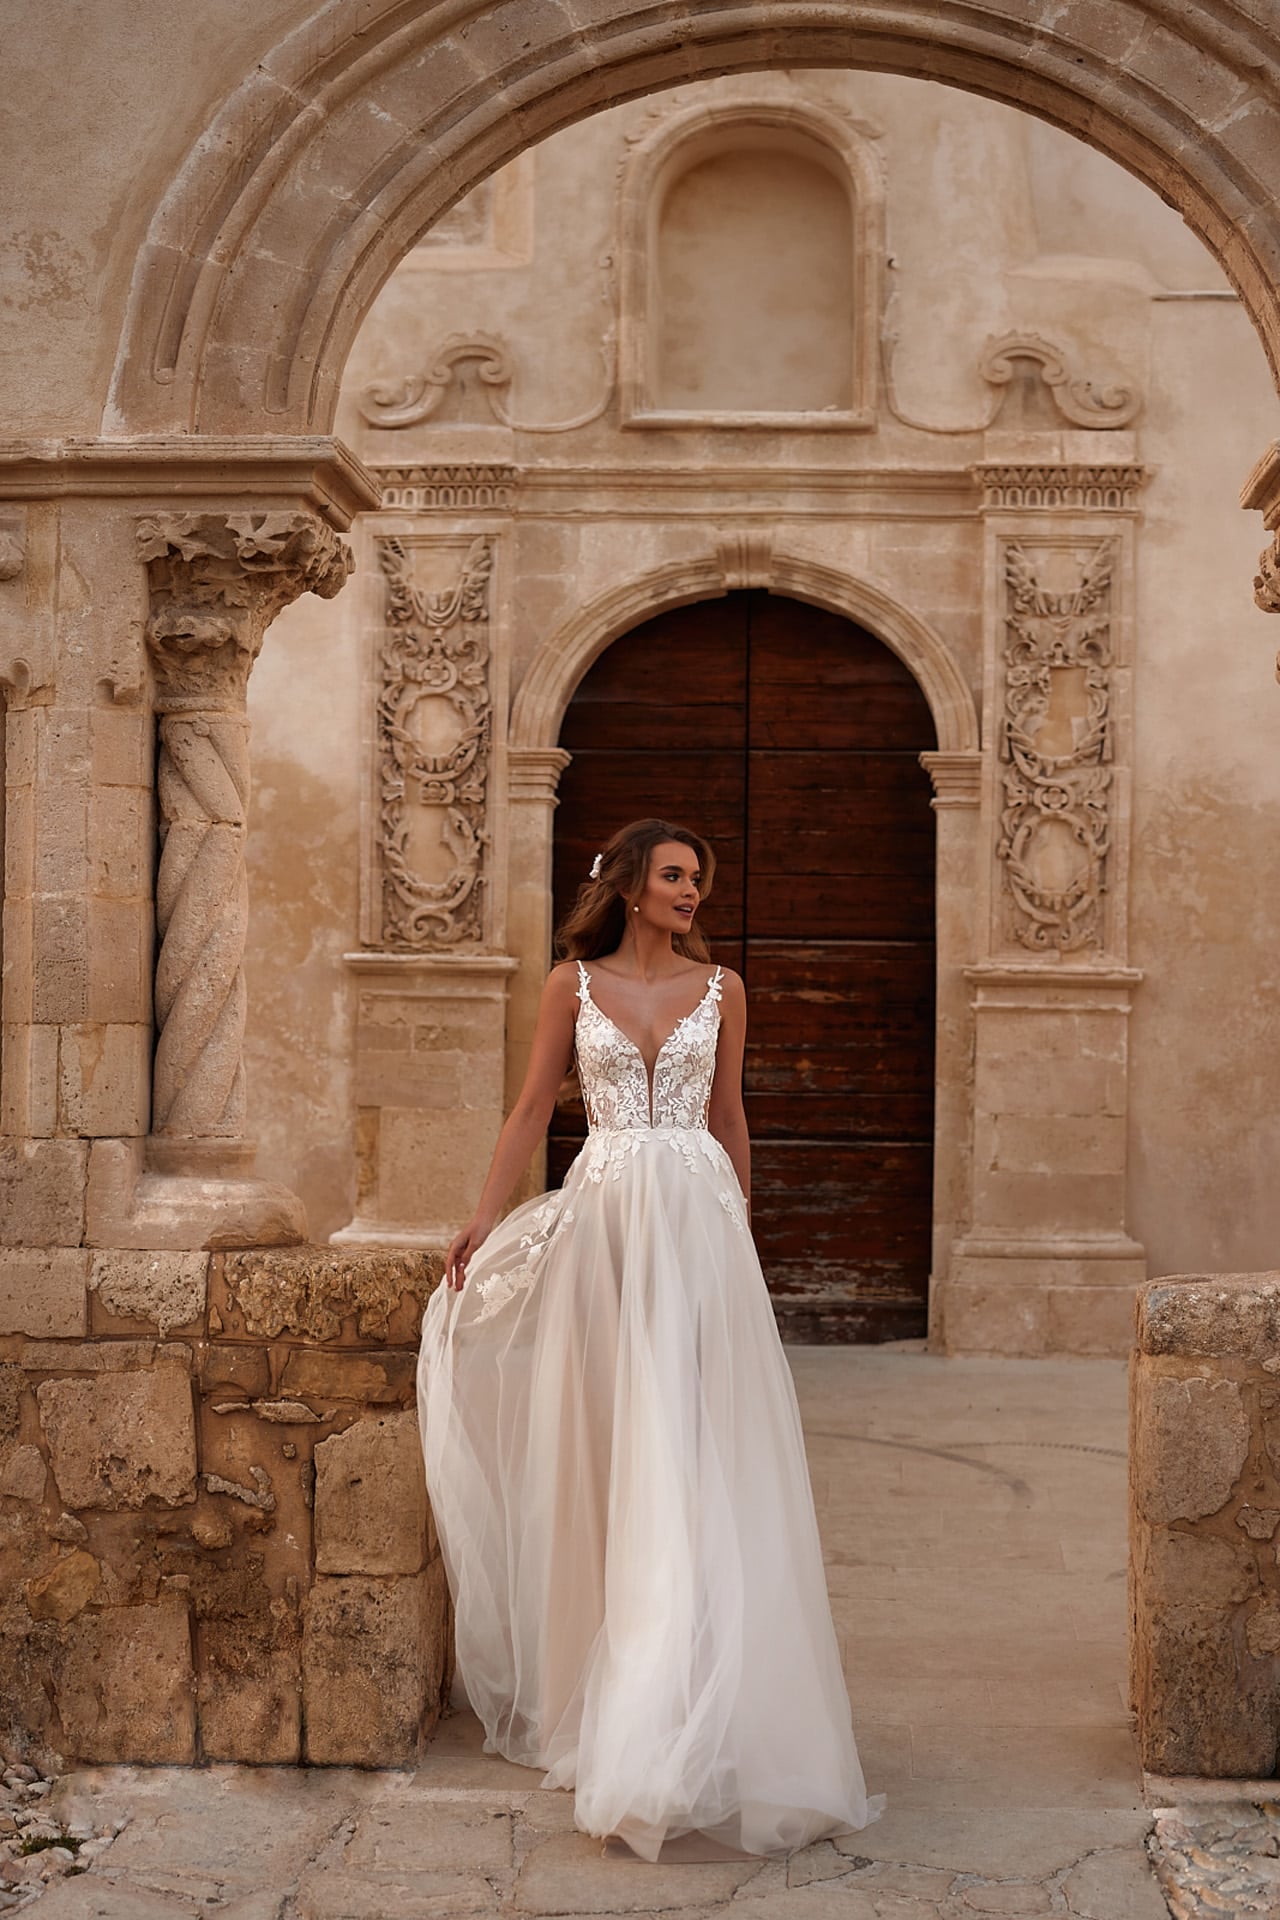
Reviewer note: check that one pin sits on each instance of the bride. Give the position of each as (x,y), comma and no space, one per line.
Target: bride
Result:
(612,1444)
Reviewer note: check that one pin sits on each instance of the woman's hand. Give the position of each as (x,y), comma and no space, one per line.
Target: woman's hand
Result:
(461,1248)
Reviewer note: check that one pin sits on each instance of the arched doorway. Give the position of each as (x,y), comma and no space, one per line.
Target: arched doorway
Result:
(791,736)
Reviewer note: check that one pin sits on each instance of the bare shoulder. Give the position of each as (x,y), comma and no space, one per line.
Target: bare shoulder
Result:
(561,983)
(732,991)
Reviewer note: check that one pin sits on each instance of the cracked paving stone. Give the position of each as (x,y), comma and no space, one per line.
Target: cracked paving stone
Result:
(333,1894)
(89,1897)
(569,1873)
(416,1835)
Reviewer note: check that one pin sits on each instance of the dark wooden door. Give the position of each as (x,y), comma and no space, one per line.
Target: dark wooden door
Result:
(790,738)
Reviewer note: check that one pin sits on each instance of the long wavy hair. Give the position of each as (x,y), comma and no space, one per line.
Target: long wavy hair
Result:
(596,922)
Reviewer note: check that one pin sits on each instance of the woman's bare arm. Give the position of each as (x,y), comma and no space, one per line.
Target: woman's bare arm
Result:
(528,1120)
(726,1117)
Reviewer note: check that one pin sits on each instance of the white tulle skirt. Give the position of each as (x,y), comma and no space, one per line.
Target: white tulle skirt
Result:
(616,1466)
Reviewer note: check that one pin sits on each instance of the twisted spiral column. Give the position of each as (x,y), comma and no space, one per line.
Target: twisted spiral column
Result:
(202,912)
(217,581)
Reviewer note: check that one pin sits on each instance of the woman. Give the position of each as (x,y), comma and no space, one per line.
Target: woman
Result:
(612,1443)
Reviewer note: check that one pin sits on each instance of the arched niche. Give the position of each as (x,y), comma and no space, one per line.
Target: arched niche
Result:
(751,270)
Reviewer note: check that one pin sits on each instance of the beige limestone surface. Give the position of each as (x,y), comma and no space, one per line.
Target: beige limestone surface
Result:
(972,1514)
(1078,1150)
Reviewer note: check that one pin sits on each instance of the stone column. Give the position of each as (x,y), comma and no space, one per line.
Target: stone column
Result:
(1045,1263)
(216,582)
(533,781)
(957,793)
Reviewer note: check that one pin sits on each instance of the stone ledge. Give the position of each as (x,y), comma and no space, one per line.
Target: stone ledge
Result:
(1213,1314)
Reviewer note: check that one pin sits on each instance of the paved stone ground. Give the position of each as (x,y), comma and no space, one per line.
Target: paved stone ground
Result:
(974,1520)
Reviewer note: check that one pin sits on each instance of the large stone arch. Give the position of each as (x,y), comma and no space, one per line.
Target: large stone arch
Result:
(372,117)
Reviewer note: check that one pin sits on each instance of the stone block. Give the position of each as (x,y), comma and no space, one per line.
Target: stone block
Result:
(42,1187)
(119,1440)
(377,1293)
(1219,1314)
(123,746)
(24,1474)
(249,1689)
(373,1660)
(370,1498)
(119,961)
(1096,1319)
(42,1292)
(1194,1717)
(994,1315)
(66,1589)
(166,1289)
(1191,1442)
(104,1079)
(378,1378)
(126,1689)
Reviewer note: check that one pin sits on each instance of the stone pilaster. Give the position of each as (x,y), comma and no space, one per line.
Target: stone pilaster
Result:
(130,569)
(1044,1261)
(957,794)
(430,1050)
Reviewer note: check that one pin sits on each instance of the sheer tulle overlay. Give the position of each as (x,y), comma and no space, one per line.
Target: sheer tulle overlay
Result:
(616,1466)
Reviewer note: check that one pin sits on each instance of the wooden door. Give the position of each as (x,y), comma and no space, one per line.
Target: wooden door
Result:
(790,738)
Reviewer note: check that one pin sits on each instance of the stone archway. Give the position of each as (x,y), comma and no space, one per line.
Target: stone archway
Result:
(367,122)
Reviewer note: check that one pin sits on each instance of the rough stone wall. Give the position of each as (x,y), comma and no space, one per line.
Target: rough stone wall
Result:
(215,1542)
(1205,1525)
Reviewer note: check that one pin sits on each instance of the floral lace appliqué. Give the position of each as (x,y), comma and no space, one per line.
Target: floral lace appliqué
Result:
(615,1084)
(497,1289)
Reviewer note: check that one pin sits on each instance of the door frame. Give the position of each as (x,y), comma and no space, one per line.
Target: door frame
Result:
(743,559)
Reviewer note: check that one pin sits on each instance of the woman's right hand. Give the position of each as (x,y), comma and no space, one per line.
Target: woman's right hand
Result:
(461,1248)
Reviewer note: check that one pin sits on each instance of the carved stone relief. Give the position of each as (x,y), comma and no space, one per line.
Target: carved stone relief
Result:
(433,743)
(1100,489)
(483,484)
(1079,402)
(1056,745)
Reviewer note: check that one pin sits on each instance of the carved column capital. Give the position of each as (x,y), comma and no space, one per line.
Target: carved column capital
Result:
(533,773)
(1266,582)
(217,581)
(956,777)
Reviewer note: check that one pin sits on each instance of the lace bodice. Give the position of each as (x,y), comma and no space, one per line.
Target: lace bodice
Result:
(615,1084)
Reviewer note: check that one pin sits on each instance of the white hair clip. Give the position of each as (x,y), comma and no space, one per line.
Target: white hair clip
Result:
(595,866)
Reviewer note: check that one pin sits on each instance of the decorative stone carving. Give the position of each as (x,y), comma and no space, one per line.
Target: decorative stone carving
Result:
(434,736)
(472,484)
(1075,397)
(1107,489)
(418,396)
(217,581)
(466,359)
(745,557)
(1055,740)
(13,554)
(1266,584)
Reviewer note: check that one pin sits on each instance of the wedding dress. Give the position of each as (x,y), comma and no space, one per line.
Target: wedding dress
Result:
(617,1471)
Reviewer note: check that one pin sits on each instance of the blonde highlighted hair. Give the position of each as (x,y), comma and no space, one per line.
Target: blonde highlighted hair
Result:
(595,924)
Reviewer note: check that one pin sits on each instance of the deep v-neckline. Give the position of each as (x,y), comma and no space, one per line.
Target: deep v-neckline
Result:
(649,1073)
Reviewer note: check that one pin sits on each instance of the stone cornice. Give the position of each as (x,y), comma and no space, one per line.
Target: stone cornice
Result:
(1060,486)
(312,470)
